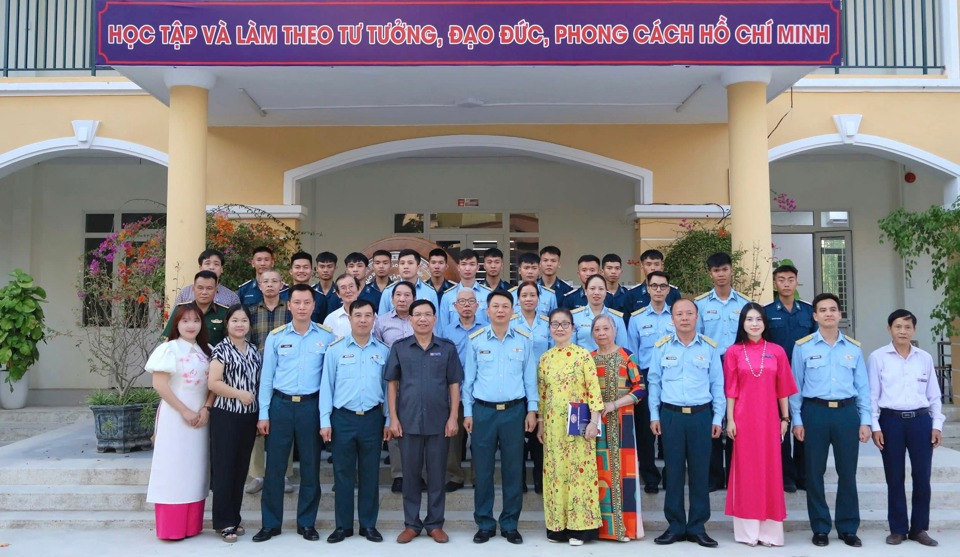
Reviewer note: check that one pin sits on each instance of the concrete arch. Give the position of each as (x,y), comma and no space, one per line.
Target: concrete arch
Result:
(468,145)
(22,157)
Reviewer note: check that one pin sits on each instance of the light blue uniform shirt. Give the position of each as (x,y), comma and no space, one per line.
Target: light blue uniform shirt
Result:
(686,376)
(645,329)
(292,363)
(831,373)
(499,371)
(718,319)
(539,332)
(353,377)
(424,292)
(583,321)
(448,314)
(458,335)
(547,300)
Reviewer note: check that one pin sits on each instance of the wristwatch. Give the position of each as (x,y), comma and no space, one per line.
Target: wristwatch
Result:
(785,419)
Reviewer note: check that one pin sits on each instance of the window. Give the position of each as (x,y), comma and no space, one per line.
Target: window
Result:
(408,223)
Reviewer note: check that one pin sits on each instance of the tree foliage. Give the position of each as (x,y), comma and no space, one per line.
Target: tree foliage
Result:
(21,324)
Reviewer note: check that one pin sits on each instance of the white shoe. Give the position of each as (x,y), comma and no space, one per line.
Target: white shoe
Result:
(576,542)
(254,486)
(287,486)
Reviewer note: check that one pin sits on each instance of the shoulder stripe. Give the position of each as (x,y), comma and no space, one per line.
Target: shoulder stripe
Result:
(548,289)
(615,312)
(336,341)
(521,332)
(512,289)
(245,283)
(545,318)
(803,340)
(485,286)
(477,332)
(278,329)
(709,340)
(662,341)
(449,289)
(851,339)
(221,305)
(578,310)
(701,296)
(324,327)
(639,311)
(514,316)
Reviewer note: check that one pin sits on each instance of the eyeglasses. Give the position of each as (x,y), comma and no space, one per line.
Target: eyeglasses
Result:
(658,286)
(421,315)
(465,302)
(560,325)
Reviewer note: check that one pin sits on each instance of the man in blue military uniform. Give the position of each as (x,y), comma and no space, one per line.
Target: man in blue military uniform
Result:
(301,271)
(493,271)
(352,419)
(499,404)
(650,261)
(289,409)
(326,270)
(687,405)
(587,266)
(832,409)
(549,272)
(618,297)
(408,264)
(648,325)
(249,292)
(467,265)
(790,320)
(380,262)
(528,268)
(437,262)
(719,311)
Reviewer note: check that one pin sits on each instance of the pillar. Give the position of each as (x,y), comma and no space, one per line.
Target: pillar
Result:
(186,175)
(750,174)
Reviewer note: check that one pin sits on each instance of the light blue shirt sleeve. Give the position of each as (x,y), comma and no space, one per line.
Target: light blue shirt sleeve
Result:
(267,372)
(530,379)
(862,384)
(700,310)
(716,389)
(327,381)
(654,376)
(621,337)
(386,301)
(469,377)
(797,399)
(633,337)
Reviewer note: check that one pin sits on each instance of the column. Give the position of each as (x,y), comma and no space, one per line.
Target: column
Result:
(750,174)
(186,175)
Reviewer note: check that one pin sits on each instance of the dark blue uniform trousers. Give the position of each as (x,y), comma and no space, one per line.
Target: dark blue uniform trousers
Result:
(356,442)
(415,451)
(289,420)
(686,451)
(899,436)
(646,443)
(501,429)
(824,427)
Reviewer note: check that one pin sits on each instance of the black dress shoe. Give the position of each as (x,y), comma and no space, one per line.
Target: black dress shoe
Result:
(453,486)
(423,484)
(703,540)
(668,538)
(820,540)
(851,539)
(372,534)
(651,488)
(538,488)
(717,487)
(513,537)
(483,536)
(397,486)
(265,534)
(525,488)
(790,487)
(336,536)
(309,533)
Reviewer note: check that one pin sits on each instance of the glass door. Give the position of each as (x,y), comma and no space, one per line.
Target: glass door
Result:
(832,254)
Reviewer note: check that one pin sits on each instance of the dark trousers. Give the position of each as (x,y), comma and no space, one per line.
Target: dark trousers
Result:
(840,428)
(493,429)
(356,442)
(533,449)
(646,443)
(721,453)
(288,421)
(686,444)
(793,467)
(901,435)
(415,451)
(231,442)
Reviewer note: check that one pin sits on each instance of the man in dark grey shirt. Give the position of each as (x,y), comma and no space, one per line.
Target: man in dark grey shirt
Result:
(423,394)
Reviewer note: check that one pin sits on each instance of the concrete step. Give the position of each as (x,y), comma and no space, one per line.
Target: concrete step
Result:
(55,415)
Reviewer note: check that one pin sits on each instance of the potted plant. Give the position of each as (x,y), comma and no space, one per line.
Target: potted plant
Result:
(121,317)
(21,330)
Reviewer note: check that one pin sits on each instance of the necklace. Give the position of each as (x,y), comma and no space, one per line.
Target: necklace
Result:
(763,356)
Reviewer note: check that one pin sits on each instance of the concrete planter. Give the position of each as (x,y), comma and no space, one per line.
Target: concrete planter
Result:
(118,428)
(13,396)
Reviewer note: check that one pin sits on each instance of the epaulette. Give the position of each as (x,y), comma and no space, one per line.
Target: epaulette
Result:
(803,340)
(548,289)
(618,313)
(709,340)
(485,286)
(524,333)
(244,284)
(449,289)
(702,296)
(278,329)
(514,316)
(663,341)
(477,332)
(336,341)
(572,292)
(578,310)
(851,339)
(545,318)
(221,305)
(394,283)
(639,311)
(512,289)
(324,327)
(187,302)
(803,302)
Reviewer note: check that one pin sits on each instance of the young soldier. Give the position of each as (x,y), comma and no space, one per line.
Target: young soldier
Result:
(381,277)
(618,297)
(356,265)
(493,268)
(650,261)
(326,269)
(467,265)
(587,266)
(301,270)
(437,261)
(409,265)
(549,269)
(262,260)
(529,270)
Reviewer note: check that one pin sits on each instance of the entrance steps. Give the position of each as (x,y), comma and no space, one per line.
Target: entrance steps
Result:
(17,425)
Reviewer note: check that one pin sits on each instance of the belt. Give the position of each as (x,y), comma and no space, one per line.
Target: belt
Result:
(362,412)
(685,409)
(499,405)
(831,403)
(906,414)
(296,398)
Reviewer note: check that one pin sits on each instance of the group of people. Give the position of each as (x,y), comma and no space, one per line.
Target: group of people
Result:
(355,361)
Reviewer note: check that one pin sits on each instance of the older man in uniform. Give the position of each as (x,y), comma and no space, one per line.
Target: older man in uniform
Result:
(499,404)
(408,264)
(423,395)
(261,260)
(832,409)
(467,266)
(351,418)
(685,388)
(214,314)
(380,262)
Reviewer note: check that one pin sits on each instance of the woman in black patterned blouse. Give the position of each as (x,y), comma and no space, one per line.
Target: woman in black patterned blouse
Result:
(234,377)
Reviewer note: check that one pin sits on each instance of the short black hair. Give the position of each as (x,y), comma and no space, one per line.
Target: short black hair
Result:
(588,258)
(493,252)
(651,254)
(355,257)
(719,259)
(652,274)
(408,251)
(611,258)
(361,303)
(262,249)
(343,276)
(327,257)
(467,254)
(211,252)
(553,250)
(299,256)
(785,269)
(529,259)
(563,310)
(900,314)
(437,252)
(382,252)
(407,284)
(234,309)
(206,275)
(527,284)
(422,302)
(825,296)
(300,288)
(496,293)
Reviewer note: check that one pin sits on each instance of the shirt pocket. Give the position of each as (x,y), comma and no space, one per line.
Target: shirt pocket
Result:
(347,360)
(711,315)
(815,362)
(485,356)
(670,369)
(516,354)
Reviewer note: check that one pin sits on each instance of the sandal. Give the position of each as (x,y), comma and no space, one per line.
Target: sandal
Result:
(229,535)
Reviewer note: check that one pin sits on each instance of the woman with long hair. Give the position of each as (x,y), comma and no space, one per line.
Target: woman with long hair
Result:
(180,471)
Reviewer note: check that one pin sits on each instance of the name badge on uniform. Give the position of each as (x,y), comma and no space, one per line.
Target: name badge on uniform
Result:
(286,346)
(646,326)
(518,349)
(484,351)
(736,312)
(434,354)
(347,356)
(711,311)
(817,357)
(922,379)
(775,318)
(671,358)
(216,321)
